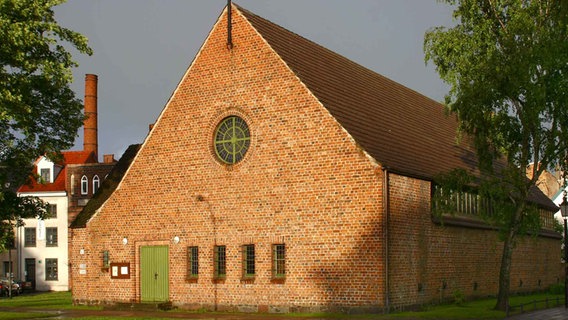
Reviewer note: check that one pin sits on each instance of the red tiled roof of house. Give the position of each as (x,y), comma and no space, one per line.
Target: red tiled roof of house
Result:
(69,157)
(78,157)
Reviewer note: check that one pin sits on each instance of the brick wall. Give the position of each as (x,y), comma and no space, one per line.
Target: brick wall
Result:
(73,183)
(303,183)
(430,262)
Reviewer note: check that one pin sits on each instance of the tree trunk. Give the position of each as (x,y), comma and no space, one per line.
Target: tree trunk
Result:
(505,272)
(506,259)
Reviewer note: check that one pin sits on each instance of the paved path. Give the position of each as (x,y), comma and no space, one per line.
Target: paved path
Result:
(559,313)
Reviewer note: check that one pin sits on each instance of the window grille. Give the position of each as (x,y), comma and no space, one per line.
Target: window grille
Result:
(29,237)
(462,202)
(220,262)
(278,261)
(106,259)
(84,185)
(248,261)
(193,262)
(51,211)
(45,175)
(96,183)
(51,237)
(51,270)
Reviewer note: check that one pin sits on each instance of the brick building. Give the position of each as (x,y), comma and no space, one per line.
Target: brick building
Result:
(41,254)
(281,177)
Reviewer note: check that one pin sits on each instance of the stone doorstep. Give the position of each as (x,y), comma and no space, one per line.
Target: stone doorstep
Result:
(124,306)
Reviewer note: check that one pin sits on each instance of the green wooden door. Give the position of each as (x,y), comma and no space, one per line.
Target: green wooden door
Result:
(154,274)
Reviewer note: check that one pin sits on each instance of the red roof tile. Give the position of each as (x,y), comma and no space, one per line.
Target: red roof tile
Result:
(69,157)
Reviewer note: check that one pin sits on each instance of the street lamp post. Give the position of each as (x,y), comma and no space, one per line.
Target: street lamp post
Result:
(564,211)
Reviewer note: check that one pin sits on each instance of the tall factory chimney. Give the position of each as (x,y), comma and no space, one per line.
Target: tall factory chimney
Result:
(90,136)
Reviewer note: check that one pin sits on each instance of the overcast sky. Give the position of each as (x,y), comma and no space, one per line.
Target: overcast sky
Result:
(142,48)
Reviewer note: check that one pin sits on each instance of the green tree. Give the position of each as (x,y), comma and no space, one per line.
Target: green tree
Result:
(13,210)
(506,62)
(39,113)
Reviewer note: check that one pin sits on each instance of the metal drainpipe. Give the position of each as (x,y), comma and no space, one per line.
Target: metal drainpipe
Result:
(386,208)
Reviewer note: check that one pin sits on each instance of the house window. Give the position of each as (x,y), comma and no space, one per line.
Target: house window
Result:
(51,237)
(51,269)
(8,268)
(29,237)
(106,260)
(84,185)
(51,211)
(96,184)
(465,203)
(231,140)
(192,262)
(248,261)
(220,262)
(278,261)
(45,175)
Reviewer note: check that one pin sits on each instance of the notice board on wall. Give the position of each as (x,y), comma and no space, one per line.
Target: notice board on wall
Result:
(120,270)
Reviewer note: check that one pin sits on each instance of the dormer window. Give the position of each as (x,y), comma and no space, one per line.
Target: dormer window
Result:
(45,174)
(84,185)
(96,183)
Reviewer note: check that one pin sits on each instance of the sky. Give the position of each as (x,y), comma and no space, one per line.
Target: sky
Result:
(142,48)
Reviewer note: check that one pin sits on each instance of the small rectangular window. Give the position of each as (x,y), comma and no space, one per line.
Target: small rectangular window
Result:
(192,262)
(51,270)
(45,175)
(51,237)
(278,261)
(8,268)
(30,237)
(51,211)
(106,260)
(248,262)
(220,262)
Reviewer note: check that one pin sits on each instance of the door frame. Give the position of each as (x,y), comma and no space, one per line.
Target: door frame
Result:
(26,275)
(137,273)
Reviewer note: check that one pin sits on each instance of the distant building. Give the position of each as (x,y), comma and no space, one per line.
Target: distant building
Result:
(282,177)
(41,253)
(548,183)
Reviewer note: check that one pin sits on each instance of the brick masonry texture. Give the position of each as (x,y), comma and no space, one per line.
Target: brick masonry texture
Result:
(304,183)
(430,262)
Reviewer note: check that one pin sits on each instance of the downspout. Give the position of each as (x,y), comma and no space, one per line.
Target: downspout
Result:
(386,226)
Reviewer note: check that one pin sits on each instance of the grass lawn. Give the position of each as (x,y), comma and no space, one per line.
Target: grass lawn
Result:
(47,300)
(23,315)
(479,309)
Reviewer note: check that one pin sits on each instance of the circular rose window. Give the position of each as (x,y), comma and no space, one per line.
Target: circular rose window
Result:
(232,139)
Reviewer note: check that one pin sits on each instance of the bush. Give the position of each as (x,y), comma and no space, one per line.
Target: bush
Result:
(459,297)
(556,288)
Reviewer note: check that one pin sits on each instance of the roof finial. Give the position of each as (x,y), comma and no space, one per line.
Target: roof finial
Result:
(229,27)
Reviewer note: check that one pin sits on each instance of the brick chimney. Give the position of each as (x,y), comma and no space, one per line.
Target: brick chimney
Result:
(90,138)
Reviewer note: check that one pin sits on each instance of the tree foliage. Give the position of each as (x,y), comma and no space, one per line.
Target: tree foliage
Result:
(39,113)
(13,210)
(506,62)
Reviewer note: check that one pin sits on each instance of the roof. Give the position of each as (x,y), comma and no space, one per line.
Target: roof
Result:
(107,187)
(69,157)
(79,157)
(400,128)
(403,130)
